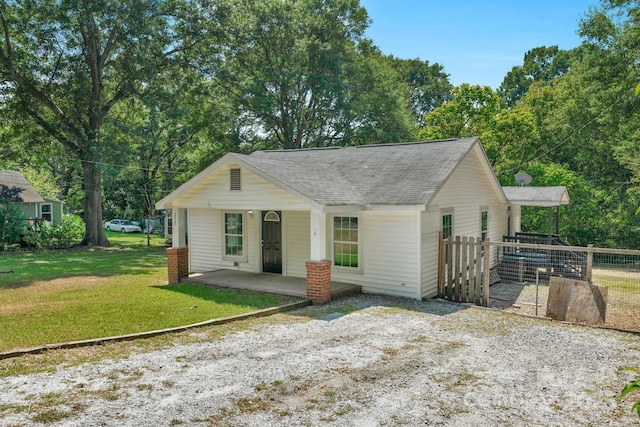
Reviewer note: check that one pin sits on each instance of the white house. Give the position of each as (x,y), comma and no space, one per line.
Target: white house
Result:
(369,215)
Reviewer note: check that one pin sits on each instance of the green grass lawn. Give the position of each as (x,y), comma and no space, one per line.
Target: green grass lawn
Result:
(88,293)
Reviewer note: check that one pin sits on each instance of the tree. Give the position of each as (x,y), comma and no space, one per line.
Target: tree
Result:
(470,110)
(45,163)
(428,84)
(304,75)
(65,65)
(613,34)
(541,64)
(12,224)
(509,141)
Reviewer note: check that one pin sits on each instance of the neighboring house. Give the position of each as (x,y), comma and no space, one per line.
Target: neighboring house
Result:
(15,189)
(374,211)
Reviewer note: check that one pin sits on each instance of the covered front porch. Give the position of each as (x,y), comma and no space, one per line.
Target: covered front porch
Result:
(280,251)
(266,282)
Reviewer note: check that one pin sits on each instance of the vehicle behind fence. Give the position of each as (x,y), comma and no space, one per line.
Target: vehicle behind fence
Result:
(520,275)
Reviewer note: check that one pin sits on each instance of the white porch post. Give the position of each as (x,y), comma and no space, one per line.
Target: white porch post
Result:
(179,228)
(516,218)
(318,236)
(318,267)
(178,253)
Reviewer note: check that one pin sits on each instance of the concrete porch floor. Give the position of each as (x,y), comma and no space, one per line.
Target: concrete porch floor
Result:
(266,282)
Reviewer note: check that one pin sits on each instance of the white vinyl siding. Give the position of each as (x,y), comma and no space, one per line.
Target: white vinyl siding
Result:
(397,250)
(205,245)
(467,191)
(298,243)
(389,254)
(206,242)
(213,193)
(430,230)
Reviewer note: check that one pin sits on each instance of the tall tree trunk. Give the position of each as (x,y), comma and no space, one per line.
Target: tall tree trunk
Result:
(92,204)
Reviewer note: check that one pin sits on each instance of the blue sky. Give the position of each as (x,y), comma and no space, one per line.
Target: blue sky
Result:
(476,41)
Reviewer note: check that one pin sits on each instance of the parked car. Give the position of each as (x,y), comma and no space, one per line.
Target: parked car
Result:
(122,225)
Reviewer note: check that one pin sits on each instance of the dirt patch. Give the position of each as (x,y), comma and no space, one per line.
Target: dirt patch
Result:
(366,361)
(520,298)
(524,298)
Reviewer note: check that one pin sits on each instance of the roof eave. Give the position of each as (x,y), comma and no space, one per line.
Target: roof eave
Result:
(542,203)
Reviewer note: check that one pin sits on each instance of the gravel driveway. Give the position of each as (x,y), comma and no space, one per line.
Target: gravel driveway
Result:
(359,361)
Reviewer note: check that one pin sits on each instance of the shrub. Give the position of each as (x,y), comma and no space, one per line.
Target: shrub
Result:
(12,224)
(31,239)
(70,230)
(633,385)
(60,236)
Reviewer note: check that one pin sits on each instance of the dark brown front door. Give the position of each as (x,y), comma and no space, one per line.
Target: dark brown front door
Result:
(271,242)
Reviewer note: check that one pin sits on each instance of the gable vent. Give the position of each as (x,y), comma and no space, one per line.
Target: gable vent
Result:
(234,175)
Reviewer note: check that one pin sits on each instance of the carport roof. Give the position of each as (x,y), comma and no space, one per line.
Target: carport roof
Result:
(537,196)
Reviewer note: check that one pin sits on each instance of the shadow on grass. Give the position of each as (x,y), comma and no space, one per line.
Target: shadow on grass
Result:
(44,266)
(253,299)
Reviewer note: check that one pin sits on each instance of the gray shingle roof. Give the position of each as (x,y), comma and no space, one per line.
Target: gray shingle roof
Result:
(15,188)
(389,174)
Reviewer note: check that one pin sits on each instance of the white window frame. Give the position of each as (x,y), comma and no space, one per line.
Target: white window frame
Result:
(243,235)
(50,213)
(443,213)
(484,232)
(358,268)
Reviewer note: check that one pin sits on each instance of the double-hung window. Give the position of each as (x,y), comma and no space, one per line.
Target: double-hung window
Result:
(484,224)
(233,235)
(45,211)
(346,244)
(447,225)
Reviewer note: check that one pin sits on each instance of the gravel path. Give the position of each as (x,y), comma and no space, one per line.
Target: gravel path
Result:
(436,364)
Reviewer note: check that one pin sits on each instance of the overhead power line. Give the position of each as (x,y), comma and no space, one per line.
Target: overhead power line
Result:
(558,145)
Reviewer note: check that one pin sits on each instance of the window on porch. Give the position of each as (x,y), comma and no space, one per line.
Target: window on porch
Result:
(345,241)
(233,235)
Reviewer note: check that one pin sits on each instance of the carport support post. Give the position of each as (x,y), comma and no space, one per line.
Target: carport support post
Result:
(319,268)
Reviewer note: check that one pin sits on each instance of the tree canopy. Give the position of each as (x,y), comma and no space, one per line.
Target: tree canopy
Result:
(109,105)
(304,75)
(65,65)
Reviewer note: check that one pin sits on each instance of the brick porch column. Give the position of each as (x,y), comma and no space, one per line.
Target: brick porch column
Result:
(178,260)
(319,281)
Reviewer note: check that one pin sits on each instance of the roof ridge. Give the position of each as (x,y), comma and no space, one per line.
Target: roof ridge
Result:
(341,147)
(395,144)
